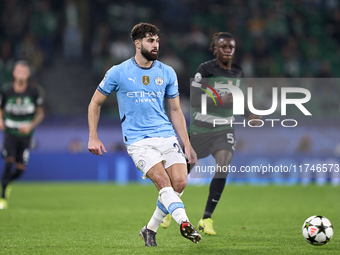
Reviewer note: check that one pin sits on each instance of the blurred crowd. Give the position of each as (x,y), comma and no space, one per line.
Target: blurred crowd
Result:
(278,38)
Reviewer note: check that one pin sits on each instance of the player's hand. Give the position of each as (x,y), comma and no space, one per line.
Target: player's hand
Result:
(227,98)
(26,129)
(254,119)
(96,147)
(191,154)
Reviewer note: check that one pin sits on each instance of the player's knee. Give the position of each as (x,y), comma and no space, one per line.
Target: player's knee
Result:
(9,159)
(180,185)
(162,181)
(20,166)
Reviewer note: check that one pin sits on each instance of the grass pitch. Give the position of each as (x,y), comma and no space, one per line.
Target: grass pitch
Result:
(90,218)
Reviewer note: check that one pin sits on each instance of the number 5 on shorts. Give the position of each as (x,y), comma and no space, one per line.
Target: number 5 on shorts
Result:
(231,140)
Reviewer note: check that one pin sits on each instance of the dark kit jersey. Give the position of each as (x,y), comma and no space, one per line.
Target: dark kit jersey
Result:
(211,69)
(211,74)
(19,108)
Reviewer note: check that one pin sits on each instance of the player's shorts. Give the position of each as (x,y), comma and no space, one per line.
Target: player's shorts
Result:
(148,152)
(208,143)
(17,147)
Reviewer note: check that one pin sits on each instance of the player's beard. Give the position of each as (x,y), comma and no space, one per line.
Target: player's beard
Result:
(148,55)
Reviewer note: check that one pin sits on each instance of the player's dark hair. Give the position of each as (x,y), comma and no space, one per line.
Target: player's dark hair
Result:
(141,30)
(21,62)
(218,36)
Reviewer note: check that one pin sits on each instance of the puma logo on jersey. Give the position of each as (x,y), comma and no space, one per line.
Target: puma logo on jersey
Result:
(134,80)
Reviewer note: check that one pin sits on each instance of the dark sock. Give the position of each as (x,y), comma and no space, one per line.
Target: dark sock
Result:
(17,174)
(6,178)
(215,191)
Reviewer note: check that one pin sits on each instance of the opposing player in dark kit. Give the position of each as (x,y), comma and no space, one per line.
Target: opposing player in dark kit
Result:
(206,139)
(20,112)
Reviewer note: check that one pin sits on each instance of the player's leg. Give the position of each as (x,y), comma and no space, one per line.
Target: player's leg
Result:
(175,165)
(217,184)
(19,170)
(23,153)
(159,177)
(222,149)
(5,180)
(168,202)
(16,150)
(6,176)
(9,153)
(178,176)
(223,158)
(167,219)
(167,196)
(150,161)
(171,154)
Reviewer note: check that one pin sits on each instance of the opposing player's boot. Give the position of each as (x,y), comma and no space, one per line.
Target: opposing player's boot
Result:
(188,231)
(166,221)
(206,225)
(148,236)
(3,204)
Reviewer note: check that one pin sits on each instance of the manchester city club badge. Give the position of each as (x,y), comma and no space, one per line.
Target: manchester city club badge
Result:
(159,81)
(141,164)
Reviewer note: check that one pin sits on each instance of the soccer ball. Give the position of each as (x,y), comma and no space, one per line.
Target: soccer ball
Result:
(317,230)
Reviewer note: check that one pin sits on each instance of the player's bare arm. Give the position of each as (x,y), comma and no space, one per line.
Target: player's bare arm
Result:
(227,98)
(254,119)
(178,121)
(38,117)
(2,124)
(95,146)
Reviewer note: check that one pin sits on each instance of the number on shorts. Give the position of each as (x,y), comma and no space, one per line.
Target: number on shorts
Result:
(179,148)
(230,138)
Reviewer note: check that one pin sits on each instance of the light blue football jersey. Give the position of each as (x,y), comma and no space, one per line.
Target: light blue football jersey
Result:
(141,94)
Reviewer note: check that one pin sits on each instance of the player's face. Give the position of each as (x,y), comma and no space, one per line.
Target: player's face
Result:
(225,49)
(21,72)
(149,47)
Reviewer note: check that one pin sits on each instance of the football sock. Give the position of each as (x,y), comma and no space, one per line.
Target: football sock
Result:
(173,204)
(157,217)
(6,177)
(215,192)
(179,194)
(159,214)
(17,174)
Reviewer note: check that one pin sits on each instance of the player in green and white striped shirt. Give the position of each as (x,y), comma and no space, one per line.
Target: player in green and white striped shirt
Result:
(20,112)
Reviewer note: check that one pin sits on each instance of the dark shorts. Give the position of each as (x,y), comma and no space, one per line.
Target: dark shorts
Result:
(206,144)
(17,147)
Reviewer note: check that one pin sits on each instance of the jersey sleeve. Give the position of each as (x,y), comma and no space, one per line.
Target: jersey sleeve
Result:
(171,90)
(39,101)
(110,82)
(196,85)
(2,99)
(201,72)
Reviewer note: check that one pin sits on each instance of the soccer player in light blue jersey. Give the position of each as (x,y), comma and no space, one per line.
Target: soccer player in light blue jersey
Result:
(142,85)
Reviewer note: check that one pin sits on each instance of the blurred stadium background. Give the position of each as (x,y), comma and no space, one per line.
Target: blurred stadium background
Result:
(71,44)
